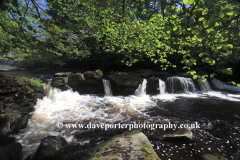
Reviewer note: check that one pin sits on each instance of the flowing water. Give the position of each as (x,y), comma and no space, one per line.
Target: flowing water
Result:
(217,114)
(141,90)
(107,87)
(162,87)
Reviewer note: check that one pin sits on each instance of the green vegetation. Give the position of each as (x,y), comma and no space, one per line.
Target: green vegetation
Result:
(36,82)
(192,35)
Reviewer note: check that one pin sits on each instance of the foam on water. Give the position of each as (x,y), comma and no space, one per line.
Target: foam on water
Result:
(223,96)
(141,90)
(70,107)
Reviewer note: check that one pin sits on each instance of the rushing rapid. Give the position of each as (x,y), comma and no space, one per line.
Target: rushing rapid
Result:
(68,107)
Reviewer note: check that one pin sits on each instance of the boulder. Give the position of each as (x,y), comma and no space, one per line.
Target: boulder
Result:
(17,99)
(152,86)
(160,74)
(132,145)
(146,73)
(90,82)
(50,148)
(6,139)
(60,79)
(184,132)
(13,122)
(12,151)
(97,75)
(123,83)
(214,156)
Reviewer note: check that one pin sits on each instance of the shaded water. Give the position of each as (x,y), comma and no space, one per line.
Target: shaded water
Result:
(217,114)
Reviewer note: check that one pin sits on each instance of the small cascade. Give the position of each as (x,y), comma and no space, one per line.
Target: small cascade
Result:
(162,87)
(107,87)
(204,86)
(180,85)
(50,92)
(141,90)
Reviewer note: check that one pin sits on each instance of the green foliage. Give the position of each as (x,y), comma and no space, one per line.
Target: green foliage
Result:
(197,32)
(36,82)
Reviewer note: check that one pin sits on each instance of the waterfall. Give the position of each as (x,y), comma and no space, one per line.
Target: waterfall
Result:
(204,86)
(180,84)
(49,91)
(162,87)
(141,90)
(107,87)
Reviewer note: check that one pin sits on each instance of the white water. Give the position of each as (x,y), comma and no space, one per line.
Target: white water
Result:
(107,87)
(69,107)
(162,87)
(186,84)
(204,86)
(141,90)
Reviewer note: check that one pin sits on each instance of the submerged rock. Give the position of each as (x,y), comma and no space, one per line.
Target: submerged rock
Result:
(132,145)
(214,156)
(184,132)
(50,147)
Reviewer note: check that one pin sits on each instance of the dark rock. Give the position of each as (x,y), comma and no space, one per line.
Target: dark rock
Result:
(160,74)
(146,73)
(30,157)
(39,89)
(96,75)
(10,81)
(123,83)
(152,86)
(74,79)
(131,80)
(4,140)
(39,96)
(60,79)
(50,148)
(12,123)
(88,83)
(12,151)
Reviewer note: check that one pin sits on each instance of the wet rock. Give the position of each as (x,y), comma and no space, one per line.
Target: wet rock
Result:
(12,151)
(123,83)
(39,89)
(214,156)
(97,75)
(152,86)
(4,140)
(184,132)
(10,81)
(60,79)
(12,123)
(89,82)
(75,79)
(121,79)
(50,148)
(132,145)
(160,74)
(146,73)
(17,101)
